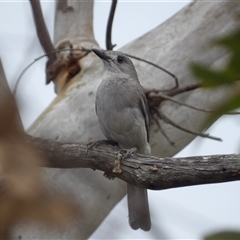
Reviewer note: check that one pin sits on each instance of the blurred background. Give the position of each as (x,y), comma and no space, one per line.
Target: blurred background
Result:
(183,213)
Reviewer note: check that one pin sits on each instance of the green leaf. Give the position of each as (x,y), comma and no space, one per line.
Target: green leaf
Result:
(228,75)
(211,78)
(230,41)
(224,236)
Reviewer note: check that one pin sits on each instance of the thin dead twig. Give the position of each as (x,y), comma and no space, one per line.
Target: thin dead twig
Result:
(159,67)
(168,120)
(157,122)
(109,44)
(42,56)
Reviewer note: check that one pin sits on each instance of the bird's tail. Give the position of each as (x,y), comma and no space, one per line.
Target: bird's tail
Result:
(139,215)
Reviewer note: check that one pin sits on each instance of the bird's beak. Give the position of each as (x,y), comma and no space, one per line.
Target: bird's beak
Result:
(101,54)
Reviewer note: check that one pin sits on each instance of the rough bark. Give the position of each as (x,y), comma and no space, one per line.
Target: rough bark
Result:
(149,172)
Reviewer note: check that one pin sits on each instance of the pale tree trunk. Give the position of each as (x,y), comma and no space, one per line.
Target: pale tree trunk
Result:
(71,116)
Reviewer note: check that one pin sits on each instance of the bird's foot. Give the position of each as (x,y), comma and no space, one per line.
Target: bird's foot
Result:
(92,145)
(127,152)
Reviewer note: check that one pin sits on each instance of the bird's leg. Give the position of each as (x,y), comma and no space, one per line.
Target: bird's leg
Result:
(92,145)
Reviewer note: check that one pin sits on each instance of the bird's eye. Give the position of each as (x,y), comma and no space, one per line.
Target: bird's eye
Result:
(120,59)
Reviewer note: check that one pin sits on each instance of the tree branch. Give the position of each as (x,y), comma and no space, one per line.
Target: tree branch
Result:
(42,31)
(143,171)
(156,100)
(109,44)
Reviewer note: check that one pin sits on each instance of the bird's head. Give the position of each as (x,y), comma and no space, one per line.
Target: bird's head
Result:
(116,62)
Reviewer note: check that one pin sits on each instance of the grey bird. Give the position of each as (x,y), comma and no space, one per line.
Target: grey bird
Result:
(123,116)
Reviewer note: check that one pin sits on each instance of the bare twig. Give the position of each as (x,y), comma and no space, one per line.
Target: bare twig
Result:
(184,89)
(109,44)
(156,118)
(168,120)
(155,101)
(42,31)
(166,97)
(140,170)
(42,56)
(161,68)
(176,91)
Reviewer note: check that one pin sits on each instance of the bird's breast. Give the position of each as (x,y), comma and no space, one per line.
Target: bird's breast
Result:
(117,110)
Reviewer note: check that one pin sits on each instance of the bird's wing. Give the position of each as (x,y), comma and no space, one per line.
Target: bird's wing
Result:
(145,111)
(96,107)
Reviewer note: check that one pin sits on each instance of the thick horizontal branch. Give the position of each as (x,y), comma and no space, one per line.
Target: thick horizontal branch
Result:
(143,171)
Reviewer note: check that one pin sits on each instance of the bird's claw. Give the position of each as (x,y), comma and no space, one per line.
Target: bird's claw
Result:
(92,145)
(127,152)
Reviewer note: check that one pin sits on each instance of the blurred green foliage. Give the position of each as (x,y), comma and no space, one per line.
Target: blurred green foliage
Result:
(224,236)
(229,75)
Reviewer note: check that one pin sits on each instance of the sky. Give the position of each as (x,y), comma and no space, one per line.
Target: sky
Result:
(182,213)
